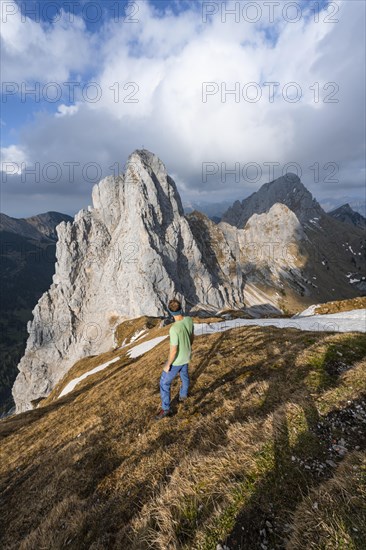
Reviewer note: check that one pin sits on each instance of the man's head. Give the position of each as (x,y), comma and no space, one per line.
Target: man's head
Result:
(175,307)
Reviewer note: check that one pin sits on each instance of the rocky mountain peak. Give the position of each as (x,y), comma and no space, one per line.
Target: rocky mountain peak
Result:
(145,189)
(287,190)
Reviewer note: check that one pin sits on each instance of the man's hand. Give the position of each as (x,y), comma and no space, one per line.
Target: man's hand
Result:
(166,367)
(173,351)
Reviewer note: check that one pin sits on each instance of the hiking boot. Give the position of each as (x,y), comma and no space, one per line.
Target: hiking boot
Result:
(182,399)
(162,414)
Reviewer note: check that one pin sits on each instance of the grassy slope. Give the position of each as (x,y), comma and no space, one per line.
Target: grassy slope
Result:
(243,461)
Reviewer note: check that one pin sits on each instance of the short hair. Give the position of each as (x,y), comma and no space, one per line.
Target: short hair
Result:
(174,305)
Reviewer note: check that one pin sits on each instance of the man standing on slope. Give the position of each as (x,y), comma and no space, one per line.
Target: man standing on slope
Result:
(181,340)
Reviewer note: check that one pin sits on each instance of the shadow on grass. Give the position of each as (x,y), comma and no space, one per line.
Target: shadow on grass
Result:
(265,518)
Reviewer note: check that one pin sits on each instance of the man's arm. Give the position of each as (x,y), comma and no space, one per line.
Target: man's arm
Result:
(173,351)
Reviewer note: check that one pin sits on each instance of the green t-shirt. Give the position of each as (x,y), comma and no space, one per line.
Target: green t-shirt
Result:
(180,333)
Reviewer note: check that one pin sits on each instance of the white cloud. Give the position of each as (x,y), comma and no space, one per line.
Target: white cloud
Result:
(11,159)
(169,57)
(33,51)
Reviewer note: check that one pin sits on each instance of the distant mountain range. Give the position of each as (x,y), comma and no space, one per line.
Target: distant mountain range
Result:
(39,228)
(216,210)
(347,215)
(27,251)
(358,205)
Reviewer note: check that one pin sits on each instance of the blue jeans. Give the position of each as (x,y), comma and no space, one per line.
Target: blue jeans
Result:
(166,380)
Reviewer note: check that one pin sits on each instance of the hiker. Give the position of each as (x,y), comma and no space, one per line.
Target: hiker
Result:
(181,339)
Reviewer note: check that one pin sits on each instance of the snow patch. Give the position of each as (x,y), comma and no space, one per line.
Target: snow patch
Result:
(134,352)
(71,385)
(140,349)
(348,321)
(309,311)
(137,335)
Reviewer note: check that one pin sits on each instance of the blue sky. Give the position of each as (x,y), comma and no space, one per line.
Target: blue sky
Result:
(163,57)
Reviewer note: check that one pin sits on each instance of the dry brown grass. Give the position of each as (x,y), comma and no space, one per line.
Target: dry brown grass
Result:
(341,305)
(95,470)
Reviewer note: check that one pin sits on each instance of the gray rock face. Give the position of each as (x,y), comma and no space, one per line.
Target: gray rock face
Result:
(256,257)
(268,250)
(124,257)
(287,190)
(267,239)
